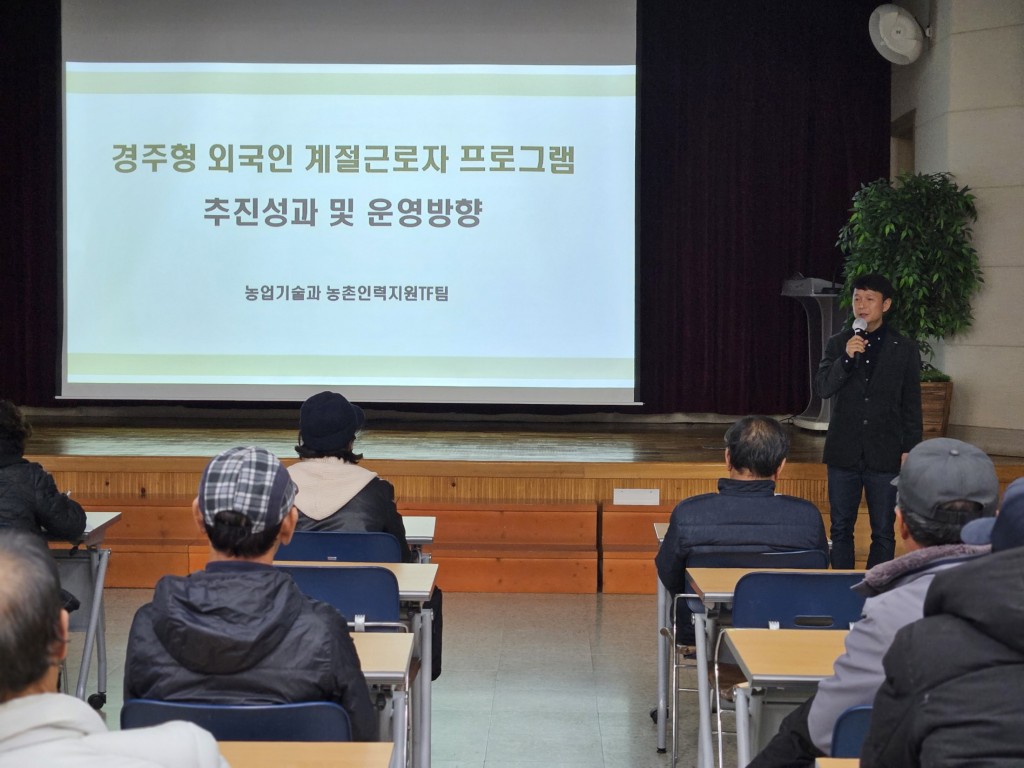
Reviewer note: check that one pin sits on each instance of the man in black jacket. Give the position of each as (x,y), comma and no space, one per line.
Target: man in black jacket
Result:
(746,514)
(874,380)
(240,631)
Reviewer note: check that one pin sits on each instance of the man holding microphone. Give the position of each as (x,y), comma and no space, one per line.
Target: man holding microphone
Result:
(873,375)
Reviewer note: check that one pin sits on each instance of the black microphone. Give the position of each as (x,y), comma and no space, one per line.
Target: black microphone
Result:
(860,325)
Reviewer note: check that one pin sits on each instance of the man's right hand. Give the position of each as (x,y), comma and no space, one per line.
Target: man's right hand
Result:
(856,344)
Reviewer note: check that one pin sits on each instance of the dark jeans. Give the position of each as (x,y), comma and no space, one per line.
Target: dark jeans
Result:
(844,492)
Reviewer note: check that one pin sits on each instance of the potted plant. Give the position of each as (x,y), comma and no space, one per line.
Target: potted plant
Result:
(916,231)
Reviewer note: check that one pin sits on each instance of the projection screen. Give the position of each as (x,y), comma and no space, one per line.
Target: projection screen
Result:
(407,201)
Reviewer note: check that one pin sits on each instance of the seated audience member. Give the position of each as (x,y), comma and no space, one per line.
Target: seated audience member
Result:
(952,678)
(1006,529)
(745,514)
(29,498)
(40,727)
(336,494)
(240,631)
(943,485)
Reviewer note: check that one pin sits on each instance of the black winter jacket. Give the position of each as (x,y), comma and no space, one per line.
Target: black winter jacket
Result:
(29,500)
(953,679)
(876,420)
(372,509)
(243,633)
(744,514)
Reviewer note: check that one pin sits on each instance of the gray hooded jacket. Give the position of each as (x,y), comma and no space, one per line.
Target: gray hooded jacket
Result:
(895,592)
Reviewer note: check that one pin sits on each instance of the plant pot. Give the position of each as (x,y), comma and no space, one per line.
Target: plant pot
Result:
(935,399)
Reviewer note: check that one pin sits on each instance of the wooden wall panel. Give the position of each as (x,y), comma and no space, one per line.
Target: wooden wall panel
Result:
(628,573)
(157,535)
(529,525)
(575,573)
(137,565)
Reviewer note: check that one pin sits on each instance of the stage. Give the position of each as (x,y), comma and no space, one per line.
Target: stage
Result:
(424,441)
(519,507)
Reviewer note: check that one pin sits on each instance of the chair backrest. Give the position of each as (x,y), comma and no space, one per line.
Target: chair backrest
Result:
(342,547)
(797,600)
(733,558)
(850,731)
(306,721)
(358,590)
(729,558)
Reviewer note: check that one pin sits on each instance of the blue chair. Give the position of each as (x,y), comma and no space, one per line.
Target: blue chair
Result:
(724,558)
(367,596)
(801,559)
(813,601)
(850,731)
(305,721)
(342,546)
(797,600)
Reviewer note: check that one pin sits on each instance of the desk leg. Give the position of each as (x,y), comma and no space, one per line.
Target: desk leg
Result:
(399,728)
(421,706)
(757,700)
(96,631)
(664,659)
(742,726)
(705,755)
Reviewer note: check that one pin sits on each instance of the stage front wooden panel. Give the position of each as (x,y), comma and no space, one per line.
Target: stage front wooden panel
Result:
(502,526)
(513,547)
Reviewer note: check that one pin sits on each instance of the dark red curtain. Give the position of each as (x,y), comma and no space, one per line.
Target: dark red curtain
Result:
(758,120)
(30,259)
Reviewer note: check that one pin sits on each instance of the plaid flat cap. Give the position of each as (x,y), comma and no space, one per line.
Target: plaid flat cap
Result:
(250,481)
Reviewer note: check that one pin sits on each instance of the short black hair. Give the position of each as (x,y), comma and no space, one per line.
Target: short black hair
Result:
(14,428)
(874,282)
(30,606)
(345,454)
(757,444)
(231,533)
(942,524)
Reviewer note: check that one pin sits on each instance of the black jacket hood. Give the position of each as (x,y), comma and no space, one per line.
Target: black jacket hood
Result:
(212,626)
(986,593)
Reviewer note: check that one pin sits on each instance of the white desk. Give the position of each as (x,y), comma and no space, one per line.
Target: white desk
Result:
(419,530)
(415,586)
(795,659)
(86,583)
(385,658)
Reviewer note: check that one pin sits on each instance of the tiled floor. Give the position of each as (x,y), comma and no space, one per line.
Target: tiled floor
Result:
(528,680)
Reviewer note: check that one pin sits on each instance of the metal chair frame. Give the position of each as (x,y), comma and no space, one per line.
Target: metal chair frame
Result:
(725,558)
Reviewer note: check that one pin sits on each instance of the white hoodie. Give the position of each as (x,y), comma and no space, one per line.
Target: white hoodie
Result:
(327,484)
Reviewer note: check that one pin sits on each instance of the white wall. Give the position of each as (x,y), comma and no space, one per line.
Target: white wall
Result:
(968,93)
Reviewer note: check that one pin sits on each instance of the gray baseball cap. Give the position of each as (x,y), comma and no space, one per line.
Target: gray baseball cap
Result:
(943,469)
